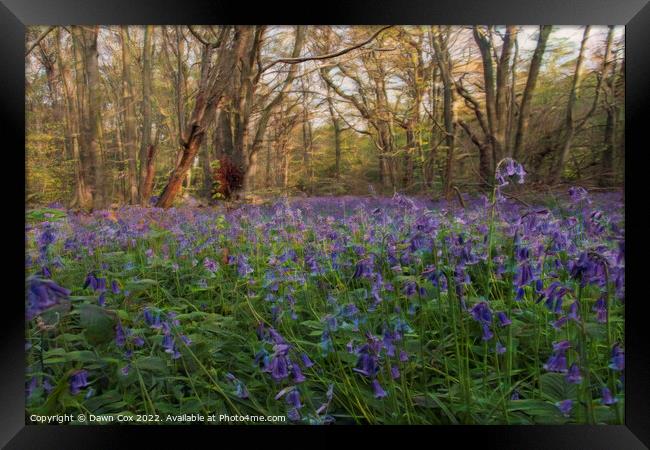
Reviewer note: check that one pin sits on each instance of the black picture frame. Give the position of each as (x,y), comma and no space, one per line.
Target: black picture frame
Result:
(15,15)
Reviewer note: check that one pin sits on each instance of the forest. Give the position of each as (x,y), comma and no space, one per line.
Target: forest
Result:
(117,115)
(317,225)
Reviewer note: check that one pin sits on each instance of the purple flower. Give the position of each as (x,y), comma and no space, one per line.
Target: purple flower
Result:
(503,319)
(78,381)
(240,390)
(487,333)
(524,274)
(42,295)
(573,375)
(115,287)
(210,264)
(293,415)
(557,362)
(394,372)
(561,346)
(600,307)
(565,407)
(608,399)
(618,358)
(293,399)
(152,318)
(298,377)
(329,394)
(367,365)
(120,337)
(306,361)
(481,313)
(378,390)
(278,367)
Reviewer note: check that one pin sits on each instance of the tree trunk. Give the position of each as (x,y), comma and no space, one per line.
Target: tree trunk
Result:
(150,172)
(607,161)
(569,122)
(485,48)
(533,72)
(129,118)
(336,126)
(88,99)
(145,149)
(445,67)
(71,125)
(503,67)
(214,82)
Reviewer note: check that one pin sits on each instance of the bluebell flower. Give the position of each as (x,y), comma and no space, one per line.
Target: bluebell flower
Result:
(278,367)
(31,386)
(565,407)
(573,375)
(120,337)
(298,377)
(608,399)
(293,415)
(503,319)
(600,307)
(305,360)
(378,390)
(210,265)
(115,287)
(43,294)
(78,381)
(293,399)
(618,358)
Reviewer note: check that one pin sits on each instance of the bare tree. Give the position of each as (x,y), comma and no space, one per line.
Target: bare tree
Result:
(533,72)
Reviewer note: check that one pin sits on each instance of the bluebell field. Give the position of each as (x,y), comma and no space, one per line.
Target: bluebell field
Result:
(346,310)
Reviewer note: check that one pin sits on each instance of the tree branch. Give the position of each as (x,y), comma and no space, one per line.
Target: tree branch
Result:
(38,40)
(326,56)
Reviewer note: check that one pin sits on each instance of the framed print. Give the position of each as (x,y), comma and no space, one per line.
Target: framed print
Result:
(368,218)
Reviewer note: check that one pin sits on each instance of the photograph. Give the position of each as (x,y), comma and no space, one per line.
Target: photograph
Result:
(324,224)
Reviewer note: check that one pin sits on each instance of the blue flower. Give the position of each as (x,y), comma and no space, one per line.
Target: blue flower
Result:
(503,319)
(573,375)
(565,407)
(293,399)
(120,338)
(608,399)
(378,390)
(618,358)
(306,361)
(42,295)
(298,377)
(78,381)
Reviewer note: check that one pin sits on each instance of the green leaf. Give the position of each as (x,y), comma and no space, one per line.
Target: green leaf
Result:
(534,407)
(151,363)
(555,386)
(84,356)
(98,323)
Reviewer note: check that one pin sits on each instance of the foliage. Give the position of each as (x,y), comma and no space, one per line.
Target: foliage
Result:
(350,309)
